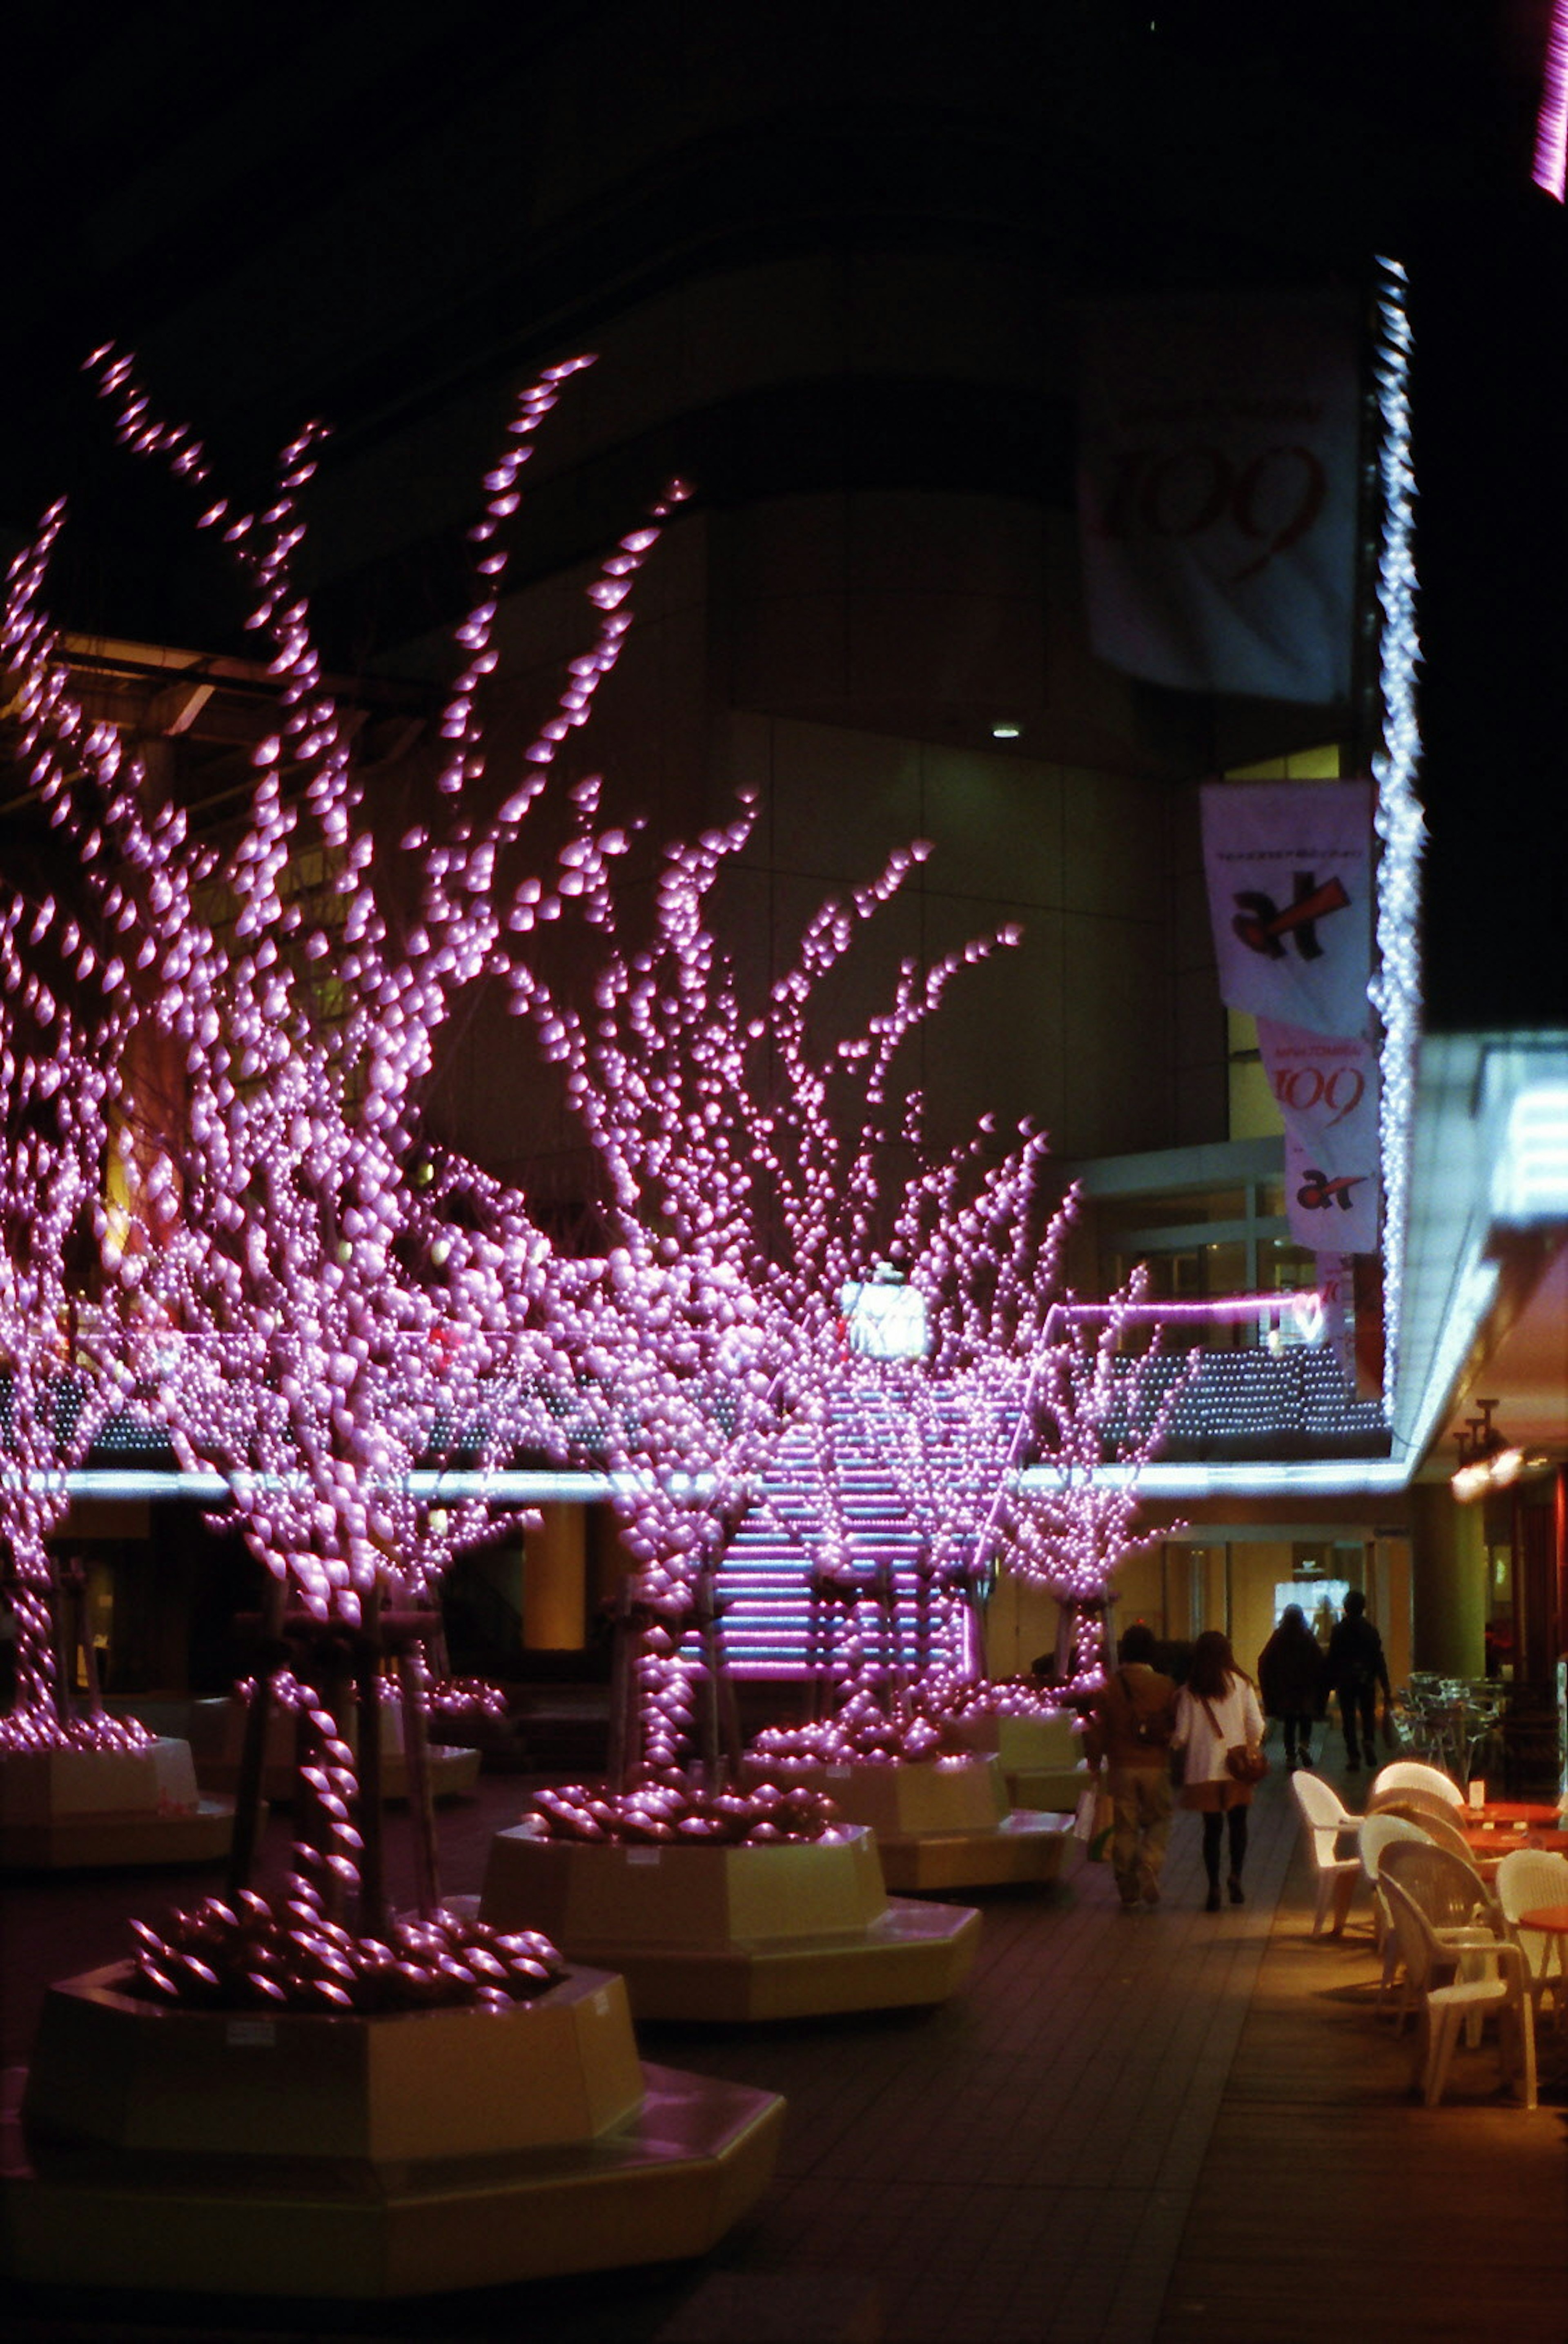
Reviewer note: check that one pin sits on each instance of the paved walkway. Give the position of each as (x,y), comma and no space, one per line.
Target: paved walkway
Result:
(1126,2130)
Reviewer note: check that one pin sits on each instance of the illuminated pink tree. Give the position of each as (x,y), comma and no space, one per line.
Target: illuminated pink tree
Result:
(745,1184)
(951,1426)
(312,1327)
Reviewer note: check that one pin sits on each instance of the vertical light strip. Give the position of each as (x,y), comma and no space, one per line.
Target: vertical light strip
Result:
(1396,988)
(1550,169)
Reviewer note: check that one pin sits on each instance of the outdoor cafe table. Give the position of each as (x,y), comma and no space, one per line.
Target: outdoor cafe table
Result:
(1499,1832)
(1533,1812)
(1496,1839)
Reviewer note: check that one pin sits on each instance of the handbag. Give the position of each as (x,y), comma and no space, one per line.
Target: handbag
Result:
(1092,1823)
(1244,1761)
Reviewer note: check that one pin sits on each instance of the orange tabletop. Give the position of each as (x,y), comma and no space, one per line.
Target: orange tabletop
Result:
(1506,1811)
(1552,1919)
(1500,1843)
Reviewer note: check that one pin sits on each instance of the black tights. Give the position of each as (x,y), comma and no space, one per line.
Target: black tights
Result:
(1213,1826)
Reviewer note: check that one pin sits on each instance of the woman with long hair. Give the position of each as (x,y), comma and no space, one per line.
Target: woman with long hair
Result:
(1216,1710)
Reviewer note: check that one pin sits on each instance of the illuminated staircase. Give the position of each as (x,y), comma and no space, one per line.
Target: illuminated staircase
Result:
(765,1580)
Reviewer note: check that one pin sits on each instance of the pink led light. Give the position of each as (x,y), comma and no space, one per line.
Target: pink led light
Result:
(1550,164)
(297,1307)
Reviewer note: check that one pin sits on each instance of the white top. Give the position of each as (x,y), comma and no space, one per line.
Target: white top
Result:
(1237,1717)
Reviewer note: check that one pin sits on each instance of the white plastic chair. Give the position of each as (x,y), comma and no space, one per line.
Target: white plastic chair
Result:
(1447,2001)
(1437,1822)
(1456,1901)
(1378,1832)
(1411,1774)
(1528,1877)
(1324,1819)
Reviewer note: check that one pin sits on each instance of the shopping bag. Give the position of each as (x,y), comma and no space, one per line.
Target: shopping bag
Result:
(1092,1823)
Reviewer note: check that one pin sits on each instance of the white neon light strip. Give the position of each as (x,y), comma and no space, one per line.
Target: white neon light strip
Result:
(1473,1300)
(1531,1182)
(1337,1476)
(1333,1476)
(505,1489)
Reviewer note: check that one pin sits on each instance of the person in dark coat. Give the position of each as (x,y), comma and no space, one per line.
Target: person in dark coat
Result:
(1290,1678)
(1356,1667)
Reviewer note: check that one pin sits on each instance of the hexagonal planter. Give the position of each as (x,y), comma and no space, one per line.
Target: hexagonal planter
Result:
(940,1823)
(365,2157)
(1041,1759)
(62,1808)
(790,1930)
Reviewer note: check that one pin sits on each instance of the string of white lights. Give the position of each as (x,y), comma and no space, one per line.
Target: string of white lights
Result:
(1396,990)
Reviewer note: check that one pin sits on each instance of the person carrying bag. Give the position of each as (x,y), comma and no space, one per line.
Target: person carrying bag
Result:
(1128,1730)
(1220,1730)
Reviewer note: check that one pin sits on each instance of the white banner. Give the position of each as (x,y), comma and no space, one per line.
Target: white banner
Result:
(1217,493)
(1290,871)
(1327,1089)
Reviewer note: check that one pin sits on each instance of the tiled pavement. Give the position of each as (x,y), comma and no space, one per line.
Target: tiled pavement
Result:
(1142,2129)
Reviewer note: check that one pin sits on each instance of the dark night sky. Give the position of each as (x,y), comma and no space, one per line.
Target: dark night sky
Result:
(136,158)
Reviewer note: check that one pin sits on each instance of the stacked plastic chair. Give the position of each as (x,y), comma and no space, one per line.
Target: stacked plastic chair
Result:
(1528,1878)
(1496,1986)
(1378,1832)
(1326,1819)
(1410,1776)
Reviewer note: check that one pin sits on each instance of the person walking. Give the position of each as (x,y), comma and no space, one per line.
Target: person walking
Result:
(1355,1667)
(1129,1728)
(1216,1710)
(1290,1681)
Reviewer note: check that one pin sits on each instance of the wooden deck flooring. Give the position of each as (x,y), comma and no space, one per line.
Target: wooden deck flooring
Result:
(1124,2130)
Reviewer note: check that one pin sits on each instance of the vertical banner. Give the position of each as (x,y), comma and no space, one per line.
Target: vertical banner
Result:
(1218,490)
(1336,1290)
(1327,1089)
(1289,874)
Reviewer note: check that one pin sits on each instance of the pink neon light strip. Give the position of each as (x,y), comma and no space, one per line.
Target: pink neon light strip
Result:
(1230,1306)
(1551,166)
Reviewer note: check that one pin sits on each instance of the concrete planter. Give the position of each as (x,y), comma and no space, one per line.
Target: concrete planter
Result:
(365,2157)
(107,1807)
(732,1933)
(1041,1758)
(939,1822)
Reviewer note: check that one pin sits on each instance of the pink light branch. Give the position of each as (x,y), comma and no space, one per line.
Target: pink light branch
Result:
(1099,1402)
(58,1351)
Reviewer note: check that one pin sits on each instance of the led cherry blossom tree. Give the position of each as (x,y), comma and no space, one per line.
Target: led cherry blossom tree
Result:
(744,1183)
(312,1326)
(950,1423)
(1015,1437)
